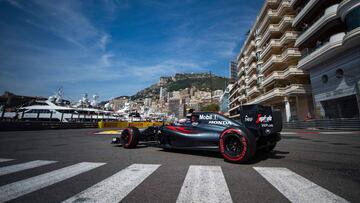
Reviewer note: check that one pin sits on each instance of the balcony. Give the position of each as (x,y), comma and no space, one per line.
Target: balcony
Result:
(241,62)
(242,98)
(348,10)
(282,75)
(250,58)
(284,8)
(258,49)
(233,90)
(278,43)
(347,6)
(288,54)
(235,116)
(253,90)
(233,94)
(282,92)
(242,90)
(285,22)
(240,71)
(312,57)
(329,15)
(352,38)
(304,11)
(242,80)
(251,68)
(234,100)
(252,79)
(250,47)
(267,4)
(234,108)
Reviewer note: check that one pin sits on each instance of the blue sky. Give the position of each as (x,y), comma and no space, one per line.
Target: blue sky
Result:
(115,47)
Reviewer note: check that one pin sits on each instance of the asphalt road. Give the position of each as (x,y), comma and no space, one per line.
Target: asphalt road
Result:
(305,166)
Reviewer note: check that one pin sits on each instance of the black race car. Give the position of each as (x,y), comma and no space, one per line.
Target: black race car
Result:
(237,140)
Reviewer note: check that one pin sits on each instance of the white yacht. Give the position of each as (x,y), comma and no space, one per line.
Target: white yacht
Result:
(47,111)
(57,109)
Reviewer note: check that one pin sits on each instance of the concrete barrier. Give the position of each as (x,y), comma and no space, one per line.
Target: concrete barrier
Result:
(125,124)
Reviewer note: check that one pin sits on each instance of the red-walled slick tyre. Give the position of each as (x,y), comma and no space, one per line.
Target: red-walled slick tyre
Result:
(130,137)
(237,146)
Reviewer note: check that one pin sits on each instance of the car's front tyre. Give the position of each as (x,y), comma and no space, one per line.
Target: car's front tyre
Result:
(237,146)
(130,137)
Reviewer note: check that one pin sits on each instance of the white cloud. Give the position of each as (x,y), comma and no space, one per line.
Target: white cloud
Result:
(106,59)
(64,19)
(104,40)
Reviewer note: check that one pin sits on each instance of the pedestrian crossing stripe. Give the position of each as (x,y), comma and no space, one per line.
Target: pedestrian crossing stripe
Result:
(117,186)
(24,166)
(295,187)
(204,184)
(201,183)
(5,160)
(23,187)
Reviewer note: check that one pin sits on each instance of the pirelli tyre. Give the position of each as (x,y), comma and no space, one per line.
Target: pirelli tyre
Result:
(237,146)
(130,137)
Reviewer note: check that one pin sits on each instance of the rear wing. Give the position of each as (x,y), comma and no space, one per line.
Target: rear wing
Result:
(261,119)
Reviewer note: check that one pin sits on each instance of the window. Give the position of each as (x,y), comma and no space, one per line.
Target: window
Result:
(352,19)
(257,56)
(339,73)
(39,111)
(324,78)
(66,111)
(258,68)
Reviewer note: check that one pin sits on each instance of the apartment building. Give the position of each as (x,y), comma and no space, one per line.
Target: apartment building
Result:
(233,71)
(267,65)
(329,40)
(224,100)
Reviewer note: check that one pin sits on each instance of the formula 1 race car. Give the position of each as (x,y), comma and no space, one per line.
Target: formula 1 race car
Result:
(237,140)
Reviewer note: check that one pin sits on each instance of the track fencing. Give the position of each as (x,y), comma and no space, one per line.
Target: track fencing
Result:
(333,124)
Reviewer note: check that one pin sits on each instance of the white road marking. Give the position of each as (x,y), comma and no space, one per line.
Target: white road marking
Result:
(5,160)
(24,166)
(117,186)
(288,133)
(295,187)
(204,184)
(17,189)
(336,133)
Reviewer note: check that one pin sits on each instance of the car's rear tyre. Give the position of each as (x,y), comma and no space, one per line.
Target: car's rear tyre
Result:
(130,137)
(237,146)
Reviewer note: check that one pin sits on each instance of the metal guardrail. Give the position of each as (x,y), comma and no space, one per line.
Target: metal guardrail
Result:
(333,124)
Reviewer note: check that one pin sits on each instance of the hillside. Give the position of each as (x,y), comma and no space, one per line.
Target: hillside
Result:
(185,80)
